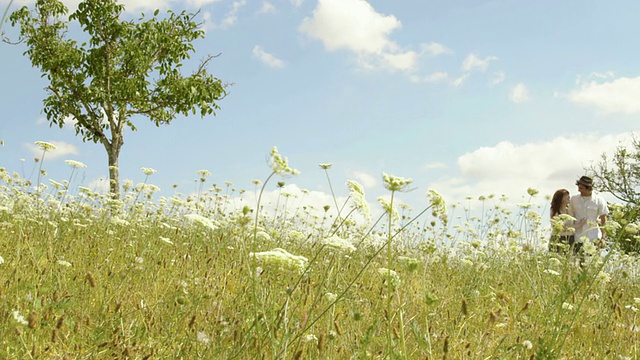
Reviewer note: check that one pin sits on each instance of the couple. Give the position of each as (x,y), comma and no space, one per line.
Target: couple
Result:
(589,211)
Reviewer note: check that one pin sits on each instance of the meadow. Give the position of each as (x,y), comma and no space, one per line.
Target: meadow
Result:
(85,275)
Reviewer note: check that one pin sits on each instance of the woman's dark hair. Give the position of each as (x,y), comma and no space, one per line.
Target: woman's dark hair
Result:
(556,201)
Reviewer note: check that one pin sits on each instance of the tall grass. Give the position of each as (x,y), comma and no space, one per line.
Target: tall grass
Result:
(86,276)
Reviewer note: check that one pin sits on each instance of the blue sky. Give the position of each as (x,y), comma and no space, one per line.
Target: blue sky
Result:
(468,98)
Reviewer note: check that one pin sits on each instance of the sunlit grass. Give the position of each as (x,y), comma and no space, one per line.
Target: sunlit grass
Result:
(86,276)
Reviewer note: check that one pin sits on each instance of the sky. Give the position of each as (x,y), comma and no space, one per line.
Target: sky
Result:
(469,98)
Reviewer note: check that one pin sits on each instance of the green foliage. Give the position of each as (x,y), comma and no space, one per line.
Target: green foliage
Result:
(124,69)
(619,174)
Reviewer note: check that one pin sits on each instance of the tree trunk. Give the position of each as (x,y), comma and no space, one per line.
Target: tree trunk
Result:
(113,153)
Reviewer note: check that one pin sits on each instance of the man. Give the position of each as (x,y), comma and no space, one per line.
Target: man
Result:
(590,211)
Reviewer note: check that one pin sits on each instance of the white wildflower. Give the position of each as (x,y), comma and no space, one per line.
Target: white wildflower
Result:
(75,164)
(148,171)
(64,263)
(19,318)
(262,236)
(166,240)
(338,243)
(552,272)
(396,183)
(206,222)
(281,258)
(1,260)
(567,306)
(203,337)
(330,297)
(45,146)
(310,338)
(280,164)
(391,275)
(527,344)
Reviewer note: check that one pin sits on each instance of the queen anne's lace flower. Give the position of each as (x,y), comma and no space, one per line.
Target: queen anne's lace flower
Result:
(280,164)
(339,243)
(281,258)
(45,146)
(396,183)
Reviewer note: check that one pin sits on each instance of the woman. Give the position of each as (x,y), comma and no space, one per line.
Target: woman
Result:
(562,224)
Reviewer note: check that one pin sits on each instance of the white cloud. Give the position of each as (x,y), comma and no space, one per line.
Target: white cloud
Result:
(617,96)
(459,81)
(231,16)
(266,58)
(296,3)
(62,149)
(355,26)
(435,49)
(498,77)
(266,7)
(473,62)
(510,169)
(365,179)
(437,77)
(519,94)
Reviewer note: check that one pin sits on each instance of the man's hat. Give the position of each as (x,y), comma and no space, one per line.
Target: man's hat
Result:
(585,180)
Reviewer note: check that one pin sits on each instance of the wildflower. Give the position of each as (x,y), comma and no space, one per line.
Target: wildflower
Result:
(256,182)
(166,240)
(527,344)
(325,166)
(310,338)
(438,203)
(567,306)
(117,221)
(603,277)
(204,173)
(357,194)
(388,209)
(391,275)
(410,263)
(262,236)
(552,272)
(330,297)
(631,307)
(203,337)
(201,220)
(45,146)
(532,192)
(279,164)
(281,258)
(588,246)
(631,228)
(55,184)
(148,171)
(75,164)
(339,243)
(19,318)
(1,260)
(64,263)
(396,183)
(558,222)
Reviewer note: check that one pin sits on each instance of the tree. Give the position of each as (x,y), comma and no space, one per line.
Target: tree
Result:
(619,174)
(125,69)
